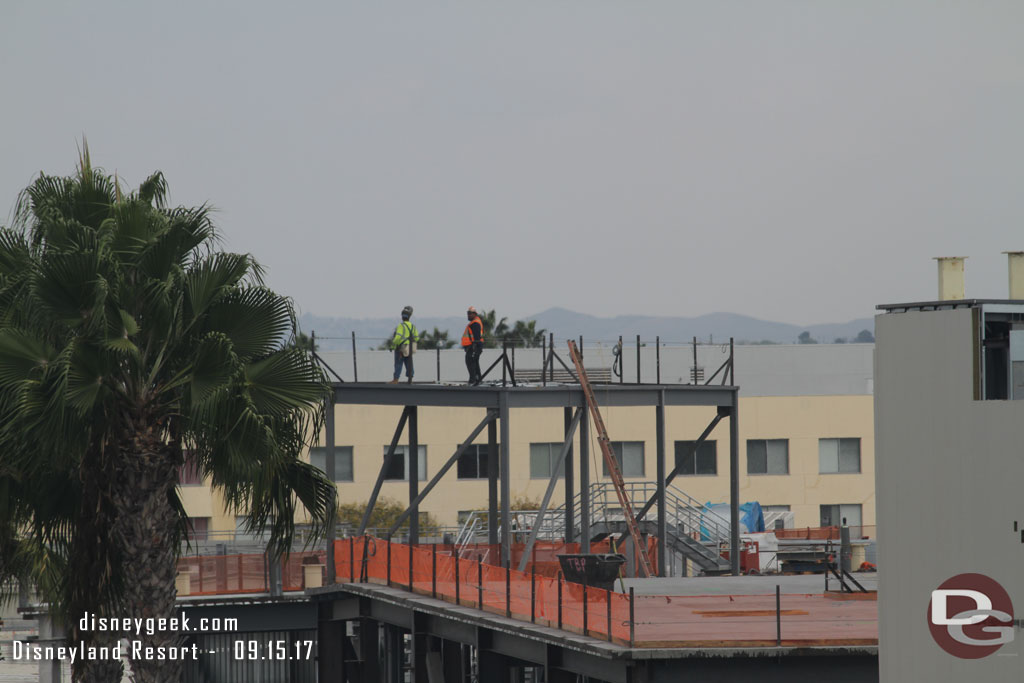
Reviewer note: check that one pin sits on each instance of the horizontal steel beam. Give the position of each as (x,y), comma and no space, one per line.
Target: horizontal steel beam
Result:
(558,396)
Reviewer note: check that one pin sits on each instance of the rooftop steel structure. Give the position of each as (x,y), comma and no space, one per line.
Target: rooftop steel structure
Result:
(496,400)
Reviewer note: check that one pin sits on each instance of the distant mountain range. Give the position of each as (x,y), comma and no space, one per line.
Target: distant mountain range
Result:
(336,333)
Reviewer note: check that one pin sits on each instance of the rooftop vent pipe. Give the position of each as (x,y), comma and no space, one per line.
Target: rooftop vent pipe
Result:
(1016,264)
(951,277)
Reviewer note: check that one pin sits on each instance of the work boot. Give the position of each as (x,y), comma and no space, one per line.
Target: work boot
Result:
(394,381)
(409,380)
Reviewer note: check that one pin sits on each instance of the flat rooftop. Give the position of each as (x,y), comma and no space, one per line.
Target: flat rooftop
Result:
(740,611)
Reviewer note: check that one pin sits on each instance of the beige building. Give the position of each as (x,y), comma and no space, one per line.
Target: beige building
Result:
(806,435)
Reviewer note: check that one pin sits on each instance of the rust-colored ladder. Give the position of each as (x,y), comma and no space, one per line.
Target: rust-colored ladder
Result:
(610,462)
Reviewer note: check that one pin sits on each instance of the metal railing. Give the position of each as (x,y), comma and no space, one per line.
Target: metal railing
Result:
(685,514)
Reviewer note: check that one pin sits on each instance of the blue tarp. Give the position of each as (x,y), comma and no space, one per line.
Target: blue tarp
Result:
(751,517)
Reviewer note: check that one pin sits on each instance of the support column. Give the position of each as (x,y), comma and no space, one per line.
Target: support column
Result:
(585,481)
(659,414)
(506,515)
(394,653)
(492,482)
(331,658)
(570,520)
(414,475)
(734,482)
(369,655)
(332,525)
(419,650)
(493,668)
(452,655)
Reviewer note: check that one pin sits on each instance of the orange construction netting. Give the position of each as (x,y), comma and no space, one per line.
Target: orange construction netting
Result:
(473,582)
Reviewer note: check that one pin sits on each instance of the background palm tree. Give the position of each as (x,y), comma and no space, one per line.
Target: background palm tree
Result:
(494,330)
(436,339)
(526,335)
(523,333)
(305,342)
(125,339)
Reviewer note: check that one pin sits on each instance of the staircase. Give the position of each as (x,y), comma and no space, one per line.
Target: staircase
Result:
(690,529)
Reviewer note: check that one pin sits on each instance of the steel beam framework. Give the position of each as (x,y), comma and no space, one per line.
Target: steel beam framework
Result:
(498,401)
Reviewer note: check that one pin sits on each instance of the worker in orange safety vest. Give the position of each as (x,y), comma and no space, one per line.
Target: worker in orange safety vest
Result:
(473,343)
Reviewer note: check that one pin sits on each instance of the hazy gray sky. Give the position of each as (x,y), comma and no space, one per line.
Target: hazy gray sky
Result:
(795,161)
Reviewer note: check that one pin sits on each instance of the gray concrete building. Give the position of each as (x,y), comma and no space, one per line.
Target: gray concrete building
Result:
(949,438)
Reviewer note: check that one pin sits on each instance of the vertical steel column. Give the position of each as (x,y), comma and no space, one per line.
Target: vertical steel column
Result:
(570,521)
(693,379)
(585,481)
(659,421)
(332,525)
(369,649)
(355,369)
(331,659)
(414,476)
(657,359)
(544,361)
(734,481)
(506,515)
(638,359)
(418,641)
(551,360)
(492,482)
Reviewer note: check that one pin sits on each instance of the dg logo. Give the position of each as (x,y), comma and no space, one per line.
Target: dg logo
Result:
(970,616)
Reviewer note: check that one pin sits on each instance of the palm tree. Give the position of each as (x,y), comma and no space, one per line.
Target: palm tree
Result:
(437,339)
(526,334)
(495,330)
(306,342)
(125,339)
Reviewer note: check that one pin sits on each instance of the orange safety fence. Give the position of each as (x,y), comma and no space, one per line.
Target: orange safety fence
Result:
(529,596)
(824,533)
(243,573)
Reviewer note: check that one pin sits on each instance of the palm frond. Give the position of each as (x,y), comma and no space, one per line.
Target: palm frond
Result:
(213,278)
(256,319)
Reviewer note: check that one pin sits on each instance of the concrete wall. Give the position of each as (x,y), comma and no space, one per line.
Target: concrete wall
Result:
(949,471)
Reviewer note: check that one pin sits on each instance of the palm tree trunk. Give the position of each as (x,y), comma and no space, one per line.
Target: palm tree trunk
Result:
(91,581)
(145,532)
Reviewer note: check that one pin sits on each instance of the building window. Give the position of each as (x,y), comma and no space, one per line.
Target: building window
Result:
(838,456)
(198,528)
(630,457)
(398,470)
(342,461)
(543,457)
(704,461)
(189,472)
(473,463)
(767,456)
(834,515)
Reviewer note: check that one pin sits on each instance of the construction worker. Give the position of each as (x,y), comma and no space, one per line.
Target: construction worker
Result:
(404,344)
(473,344)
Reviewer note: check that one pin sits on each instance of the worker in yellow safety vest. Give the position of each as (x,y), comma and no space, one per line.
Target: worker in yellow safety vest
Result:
(404,344)
(473,343)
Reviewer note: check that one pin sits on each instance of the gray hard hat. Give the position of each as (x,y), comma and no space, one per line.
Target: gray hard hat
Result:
(407,312)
